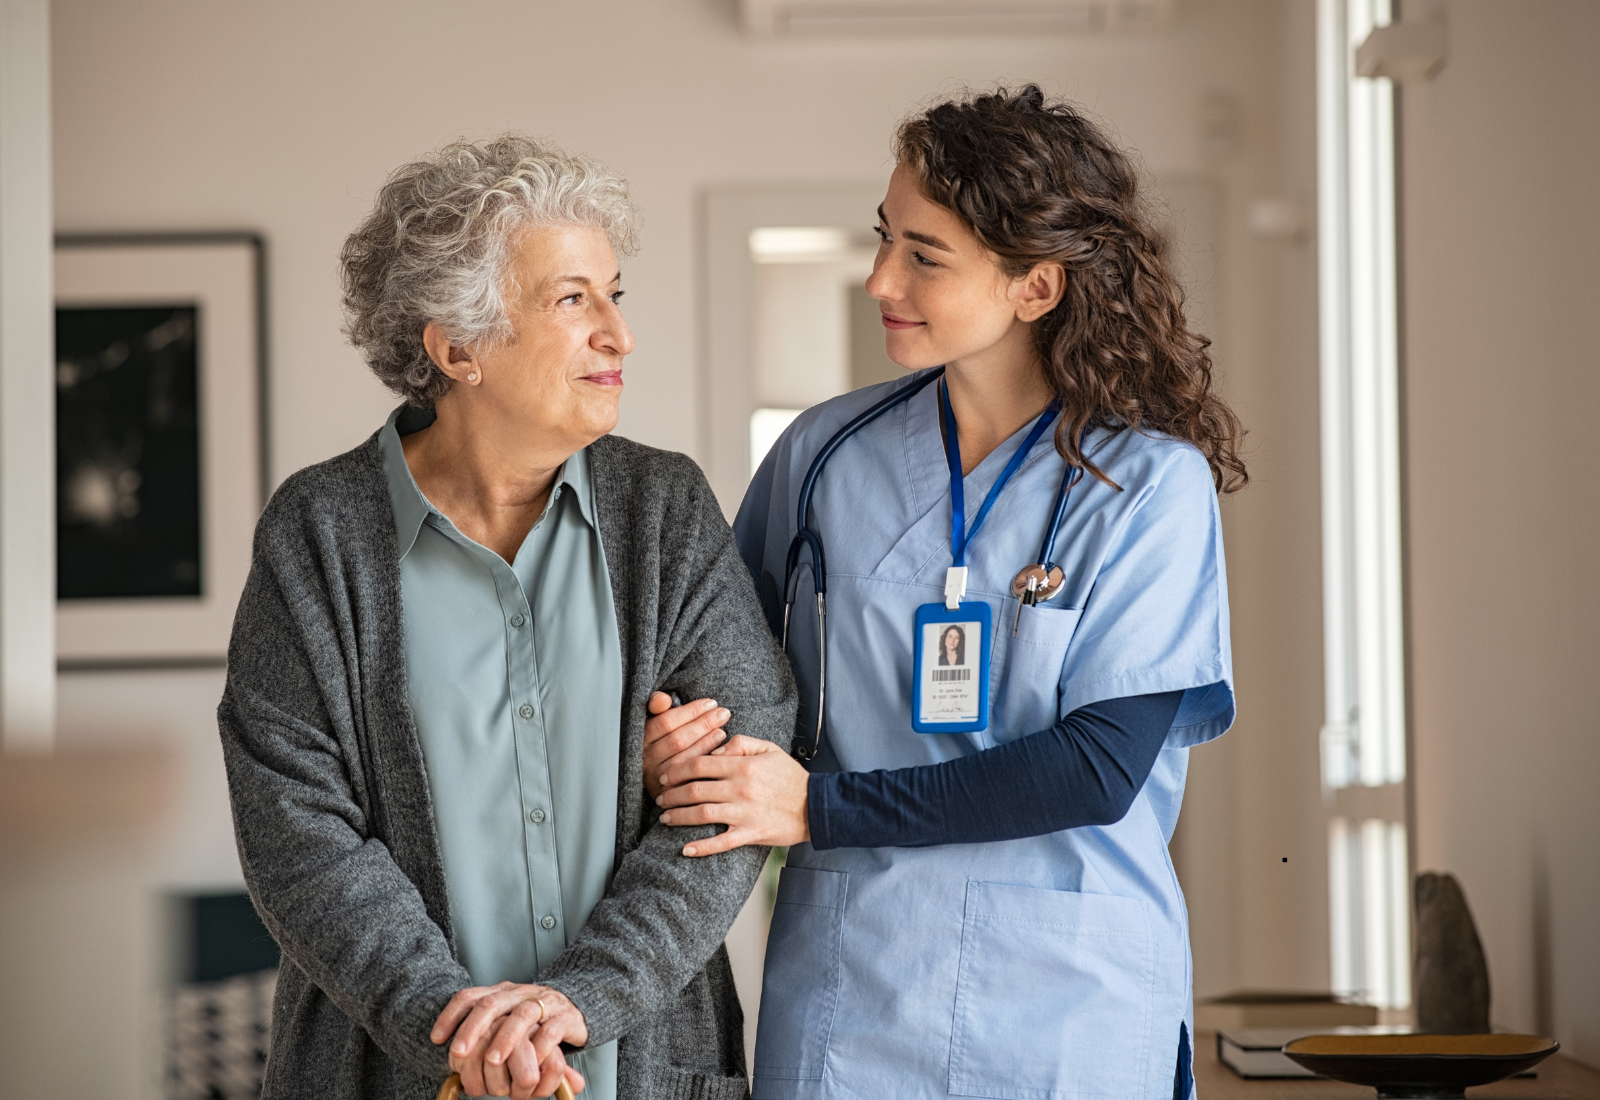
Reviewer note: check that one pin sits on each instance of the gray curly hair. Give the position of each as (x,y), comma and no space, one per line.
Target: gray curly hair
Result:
(437,247)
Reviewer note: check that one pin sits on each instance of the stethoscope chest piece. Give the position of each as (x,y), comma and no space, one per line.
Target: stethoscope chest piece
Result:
(1035,583)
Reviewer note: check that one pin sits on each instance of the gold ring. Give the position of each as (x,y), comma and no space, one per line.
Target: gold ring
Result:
(543,1011)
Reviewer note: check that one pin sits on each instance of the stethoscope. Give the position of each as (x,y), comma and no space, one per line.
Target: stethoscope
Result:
(1033,583)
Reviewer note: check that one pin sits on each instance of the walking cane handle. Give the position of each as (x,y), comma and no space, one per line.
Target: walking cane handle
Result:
(451,1089)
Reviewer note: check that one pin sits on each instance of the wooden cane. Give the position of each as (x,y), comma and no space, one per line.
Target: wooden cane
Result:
(451,1089)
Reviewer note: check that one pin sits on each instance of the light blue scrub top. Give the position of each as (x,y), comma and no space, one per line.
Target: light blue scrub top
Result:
(1050,967)
(514,675)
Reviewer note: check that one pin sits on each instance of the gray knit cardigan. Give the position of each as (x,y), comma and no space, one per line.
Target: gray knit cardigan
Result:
(332,809)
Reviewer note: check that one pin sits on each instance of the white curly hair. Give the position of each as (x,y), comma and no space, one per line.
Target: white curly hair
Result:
(437,247)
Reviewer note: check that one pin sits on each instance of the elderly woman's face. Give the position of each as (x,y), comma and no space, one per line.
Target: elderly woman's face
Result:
(562,371)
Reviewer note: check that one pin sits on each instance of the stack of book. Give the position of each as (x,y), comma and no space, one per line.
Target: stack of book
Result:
(1251,1027)
(1258,1051)
(1258,1009)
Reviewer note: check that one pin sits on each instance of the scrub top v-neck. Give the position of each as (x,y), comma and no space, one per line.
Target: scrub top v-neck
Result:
(1050,967)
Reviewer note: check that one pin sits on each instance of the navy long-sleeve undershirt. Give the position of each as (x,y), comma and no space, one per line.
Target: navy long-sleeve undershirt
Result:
(1085,770)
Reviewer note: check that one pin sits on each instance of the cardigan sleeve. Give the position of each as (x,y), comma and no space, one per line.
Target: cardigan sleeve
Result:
(328,888)
(665,914)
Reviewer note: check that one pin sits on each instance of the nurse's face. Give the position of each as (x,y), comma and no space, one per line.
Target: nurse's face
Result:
(942,295)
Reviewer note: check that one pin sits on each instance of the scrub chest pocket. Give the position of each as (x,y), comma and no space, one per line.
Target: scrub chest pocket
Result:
(800,989)
(1055,995)
(1027,668)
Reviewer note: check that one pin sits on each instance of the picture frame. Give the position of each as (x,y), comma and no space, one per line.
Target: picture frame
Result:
(161,443)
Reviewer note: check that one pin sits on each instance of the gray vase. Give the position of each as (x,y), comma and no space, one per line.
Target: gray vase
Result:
(1451,978)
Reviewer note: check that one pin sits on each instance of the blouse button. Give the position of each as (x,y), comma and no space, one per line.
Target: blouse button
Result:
(547,923)
(525,710)
(517,620)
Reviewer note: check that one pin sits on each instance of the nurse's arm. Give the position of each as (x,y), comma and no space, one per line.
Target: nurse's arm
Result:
(753,787)
(1086,770)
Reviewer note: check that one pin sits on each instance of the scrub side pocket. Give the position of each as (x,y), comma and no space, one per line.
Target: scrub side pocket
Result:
(800,985)
(1054,995)
(1025,680)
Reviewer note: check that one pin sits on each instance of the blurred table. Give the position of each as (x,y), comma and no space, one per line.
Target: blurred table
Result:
(1560,1078)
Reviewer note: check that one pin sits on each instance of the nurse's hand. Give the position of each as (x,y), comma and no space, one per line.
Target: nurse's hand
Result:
(677,734)
(751,786)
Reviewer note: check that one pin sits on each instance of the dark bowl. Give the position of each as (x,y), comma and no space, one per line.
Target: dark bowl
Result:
(1420,1067)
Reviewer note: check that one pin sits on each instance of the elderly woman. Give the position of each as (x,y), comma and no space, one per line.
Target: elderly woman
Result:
(436,706)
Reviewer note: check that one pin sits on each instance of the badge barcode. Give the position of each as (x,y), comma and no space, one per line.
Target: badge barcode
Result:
(944,675)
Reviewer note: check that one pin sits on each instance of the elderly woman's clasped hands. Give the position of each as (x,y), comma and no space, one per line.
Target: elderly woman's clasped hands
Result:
(507,1039)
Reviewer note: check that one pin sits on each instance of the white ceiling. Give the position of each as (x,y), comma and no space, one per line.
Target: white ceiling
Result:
(843,18)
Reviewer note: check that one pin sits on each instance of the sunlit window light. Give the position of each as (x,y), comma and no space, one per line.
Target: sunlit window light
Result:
(1369,901)
(766,425)
(1364,734)
(798,244)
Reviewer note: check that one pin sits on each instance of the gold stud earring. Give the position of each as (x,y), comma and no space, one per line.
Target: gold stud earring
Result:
(472,376)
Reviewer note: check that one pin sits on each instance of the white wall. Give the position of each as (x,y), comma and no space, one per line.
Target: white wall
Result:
(1256,921)
(1500,161)
(81,929)
(285,117)
(27,337)
(802,333)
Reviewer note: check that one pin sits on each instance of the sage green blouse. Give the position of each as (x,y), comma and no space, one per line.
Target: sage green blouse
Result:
(514,674)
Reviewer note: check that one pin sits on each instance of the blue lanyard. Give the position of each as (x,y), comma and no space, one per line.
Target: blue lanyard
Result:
(960,538)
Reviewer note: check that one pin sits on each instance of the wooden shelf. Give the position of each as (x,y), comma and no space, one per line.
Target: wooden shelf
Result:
(47,798)
(1560,1078)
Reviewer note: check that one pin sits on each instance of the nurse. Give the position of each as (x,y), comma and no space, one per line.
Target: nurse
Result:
(1024,631)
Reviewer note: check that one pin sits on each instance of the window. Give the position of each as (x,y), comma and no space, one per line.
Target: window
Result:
(1364,732)
(813,339)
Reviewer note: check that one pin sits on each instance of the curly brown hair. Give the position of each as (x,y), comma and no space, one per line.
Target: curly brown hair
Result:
(1038,182)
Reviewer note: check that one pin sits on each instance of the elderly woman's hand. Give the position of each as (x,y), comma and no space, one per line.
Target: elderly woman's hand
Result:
(677,734)
(751,786)
(505,1040)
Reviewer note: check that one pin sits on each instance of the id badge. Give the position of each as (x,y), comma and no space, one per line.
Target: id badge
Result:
(951,690)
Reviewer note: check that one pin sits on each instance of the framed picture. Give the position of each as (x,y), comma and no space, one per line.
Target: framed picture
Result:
(161,464)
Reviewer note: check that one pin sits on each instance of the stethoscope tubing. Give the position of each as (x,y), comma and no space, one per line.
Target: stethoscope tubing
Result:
(1047,551)
(807,539)
(809,485)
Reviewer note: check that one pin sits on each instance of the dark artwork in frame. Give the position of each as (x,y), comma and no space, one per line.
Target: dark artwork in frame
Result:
(128,493)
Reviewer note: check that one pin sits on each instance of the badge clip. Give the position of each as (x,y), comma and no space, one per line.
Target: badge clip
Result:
(955,586)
